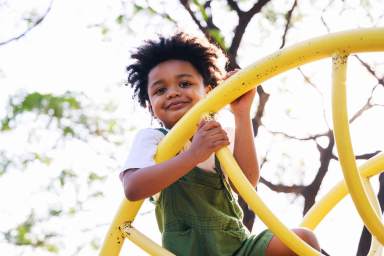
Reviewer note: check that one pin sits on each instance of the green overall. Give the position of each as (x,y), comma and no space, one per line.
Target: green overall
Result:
(198,215)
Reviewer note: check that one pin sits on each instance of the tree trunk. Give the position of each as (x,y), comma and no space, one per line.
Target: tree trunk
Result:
(366,237)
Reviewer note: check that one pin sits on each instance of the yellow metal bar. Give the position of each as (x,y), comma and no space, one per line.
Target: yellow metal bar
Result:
(360,40)
(318,211)
(114,239)
(344,148)
(253,200)
(143,241)
(375,248)
(353,41)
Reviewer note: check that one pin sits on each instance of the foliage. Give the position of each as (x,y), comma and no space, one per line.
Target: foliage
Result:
(68,119)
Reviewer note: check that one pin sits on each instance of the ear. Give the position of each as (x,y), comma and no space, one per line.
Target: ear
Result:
(208,88)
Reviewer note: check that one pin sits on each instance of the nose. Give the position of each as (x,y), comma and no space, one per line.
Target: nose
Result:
(173,92)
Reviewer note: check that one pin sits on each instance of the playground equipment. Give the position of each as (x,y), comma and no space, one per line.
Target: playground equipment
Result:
(338,46)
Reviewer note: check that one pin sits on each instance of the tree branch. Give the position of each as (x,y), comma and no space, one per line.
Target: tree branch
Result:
(35,24)
(312,190)
(263,99)
(311,137)
(244,19)
(203,29)
(295,189)
(370,70)
(234,6)
(288,18)
(365,156)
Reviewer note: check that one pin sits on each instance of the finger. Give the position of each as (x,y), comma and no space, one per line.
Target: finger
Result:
(216,133)
(201,124)
(231,73)
(212,124)
(220,144)
(217,137)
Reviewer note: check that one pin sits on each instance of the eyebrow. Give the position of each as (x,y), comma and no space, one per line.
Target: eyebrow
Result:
(177,76)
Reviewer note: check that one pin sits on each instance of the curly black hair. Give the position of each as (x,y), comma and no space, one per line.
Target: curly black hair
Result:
(205,57)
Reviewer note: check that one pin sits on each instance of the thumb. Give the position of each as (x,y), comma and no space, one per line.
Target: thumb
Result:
(202,123)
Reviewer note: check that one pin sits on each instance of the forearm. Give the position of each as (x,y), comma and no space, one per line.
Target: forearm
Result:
(142,183)
(244,148)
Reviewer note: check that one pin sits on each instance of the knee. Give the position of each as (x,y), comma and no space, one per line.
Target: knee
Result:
(308,236)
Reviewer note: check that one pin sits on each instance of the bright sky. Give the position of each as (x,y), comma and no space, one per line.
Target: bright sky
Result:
(63,53)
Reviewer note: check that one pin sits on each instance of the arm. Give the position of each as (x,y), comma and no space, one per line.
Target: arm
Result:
(244,148)
(144,182)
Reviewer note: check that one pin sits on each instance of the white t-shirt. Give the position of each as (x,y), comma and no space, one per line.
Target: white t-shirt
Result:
(144,148)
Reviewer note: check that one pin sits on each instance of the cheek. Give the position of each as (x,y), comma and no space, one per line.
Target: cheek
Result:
(203,93)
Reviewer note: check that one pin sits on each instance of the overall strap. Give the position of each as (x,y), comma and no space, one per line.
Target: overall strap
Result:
(162,130)
(223,179)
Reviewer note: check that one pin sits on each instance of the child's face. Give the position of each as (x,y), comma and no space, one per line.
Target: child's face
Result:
(174,87)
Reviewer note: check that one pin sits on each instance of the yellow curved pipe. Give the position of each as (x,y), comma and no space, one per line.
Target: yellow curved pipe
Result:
(317,212)
(360,40)
(144,242)
(375,248)
(249,194)
(114,239)
(346,156)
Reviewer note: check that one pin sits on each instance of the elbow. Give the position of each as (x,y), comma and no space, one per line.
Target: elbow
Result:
(131,194)
(255,181)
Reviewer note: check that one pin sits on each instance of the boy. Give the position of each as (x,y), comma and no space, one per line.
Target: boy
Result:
(196,212)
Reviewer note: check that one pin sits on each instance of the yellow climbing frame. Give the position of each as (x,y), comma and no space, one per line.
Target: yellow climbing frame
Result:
(336,45)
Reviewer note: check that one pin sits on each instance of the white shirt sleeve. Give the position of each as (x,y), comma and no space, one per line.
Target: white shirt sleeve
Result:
(143,149)
(145,144)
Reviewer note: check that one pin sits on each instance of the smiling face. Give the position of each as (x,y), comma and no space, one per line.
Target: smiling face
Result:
(174,87)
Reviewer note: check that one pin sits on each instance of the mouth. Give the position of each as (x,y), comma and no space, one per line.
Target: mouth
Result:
(176,105)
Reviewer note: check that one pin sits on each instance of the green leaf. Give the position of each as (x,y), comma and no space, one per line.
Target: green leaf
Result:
(201,9)
(112,124)
(43,104)
(97,194)
(104,30)
(54,212)
(72,211)
(5,124)
(68,131)
(51,248)
(92,177)
(120,19)
(65,175)
(137,8)
(216,34)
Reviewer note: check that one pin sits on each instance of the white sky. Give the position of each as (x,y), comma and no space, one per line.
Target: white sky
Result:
(63,53)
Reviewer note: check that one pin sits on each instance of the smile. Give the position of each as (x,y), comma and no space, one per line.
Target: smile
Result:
(176,105)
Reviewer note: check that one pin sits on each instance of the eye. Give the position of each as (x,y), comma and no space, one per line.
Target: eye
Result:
(160,91)
(185,84)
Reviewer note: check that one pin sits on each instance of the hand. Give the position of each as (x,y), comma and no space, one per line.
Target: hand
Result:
(209,138)
(241,105)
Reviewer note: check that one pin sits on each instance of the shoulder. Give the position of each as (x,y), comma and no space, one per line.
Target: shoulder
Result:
(143,148)
(147,137)
(149,134)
